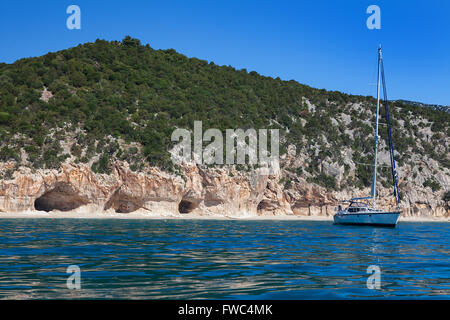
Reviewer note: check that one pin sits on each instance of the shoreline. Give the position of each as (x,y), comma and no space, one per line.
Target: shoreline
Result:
(189,216)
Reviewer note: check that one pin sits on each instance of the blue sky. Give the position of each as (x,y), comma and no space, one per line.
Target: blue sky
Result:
(324,44)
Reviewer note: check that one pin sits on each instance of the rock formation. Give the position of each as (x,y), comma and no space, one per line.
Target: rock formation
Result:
(200,190)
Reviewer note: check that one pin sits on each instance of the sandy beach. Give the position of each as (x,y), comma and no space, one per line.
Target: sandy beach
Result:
(142,214)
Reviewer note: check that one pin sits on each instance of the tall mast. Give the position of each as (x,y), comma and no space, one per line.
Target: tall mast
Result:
(391,144)
(374,180)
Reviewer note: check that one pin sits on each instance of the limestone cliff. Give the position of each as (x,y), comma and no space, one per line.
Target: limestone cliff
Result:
(200,190)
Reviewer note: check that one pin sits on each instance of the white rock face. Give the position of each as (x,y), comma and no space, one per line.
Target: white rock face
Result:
(204,191)
(220,191)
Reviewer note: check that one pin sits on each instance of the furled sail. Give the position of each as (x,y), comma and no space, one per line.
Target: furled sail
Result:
(391,145)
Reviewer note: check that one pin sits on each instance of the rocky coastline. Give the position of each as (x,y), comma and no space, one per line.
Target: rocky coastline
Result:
(198,192)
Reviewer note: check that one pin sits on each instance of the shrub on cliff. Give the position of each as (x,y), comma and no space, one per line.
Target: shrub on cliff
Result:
(433,184)
(102,165)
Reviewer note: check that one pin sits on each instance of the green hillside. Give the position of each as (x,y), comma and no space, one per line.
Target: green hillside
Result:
(122,100)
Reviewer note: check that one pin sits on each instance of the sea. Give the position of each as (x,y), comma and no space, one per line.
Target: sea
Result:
(221,259)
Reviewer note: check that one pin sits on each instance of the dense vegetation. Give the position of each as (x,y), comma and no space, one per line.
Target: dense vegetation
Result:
(122,100)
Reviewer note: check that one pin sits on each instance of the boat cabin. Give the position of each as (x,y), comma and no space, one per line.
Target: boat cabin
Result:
(354,207)
(357,207)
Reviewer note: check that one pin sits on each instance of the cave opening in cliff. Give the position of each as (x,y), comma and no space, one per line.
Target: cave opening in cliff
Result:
(126,206)
(62,197)
(186,206)
(123,203)
(264,205)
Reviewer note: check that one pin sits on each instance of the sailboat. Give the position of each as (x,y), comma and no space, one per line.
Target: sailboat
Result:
(358,212)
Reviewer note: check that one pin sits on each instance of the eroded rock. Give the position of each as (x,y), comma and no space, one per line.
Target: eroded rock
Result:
(200,190)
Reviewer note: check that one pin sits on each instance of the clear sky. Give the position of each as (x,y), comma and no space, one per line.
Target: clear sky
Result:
(322,43)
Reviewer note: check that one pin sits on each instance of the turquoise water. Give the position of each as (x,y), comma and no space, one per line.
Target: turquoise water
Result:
(191,259)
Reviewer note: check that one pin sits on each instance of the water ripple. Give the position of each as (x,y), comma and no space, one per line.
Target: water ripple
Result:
(175,259)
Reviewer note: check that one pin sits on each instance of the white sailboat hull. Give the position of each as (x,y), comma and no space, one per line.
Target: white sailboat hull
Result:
(383,219)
